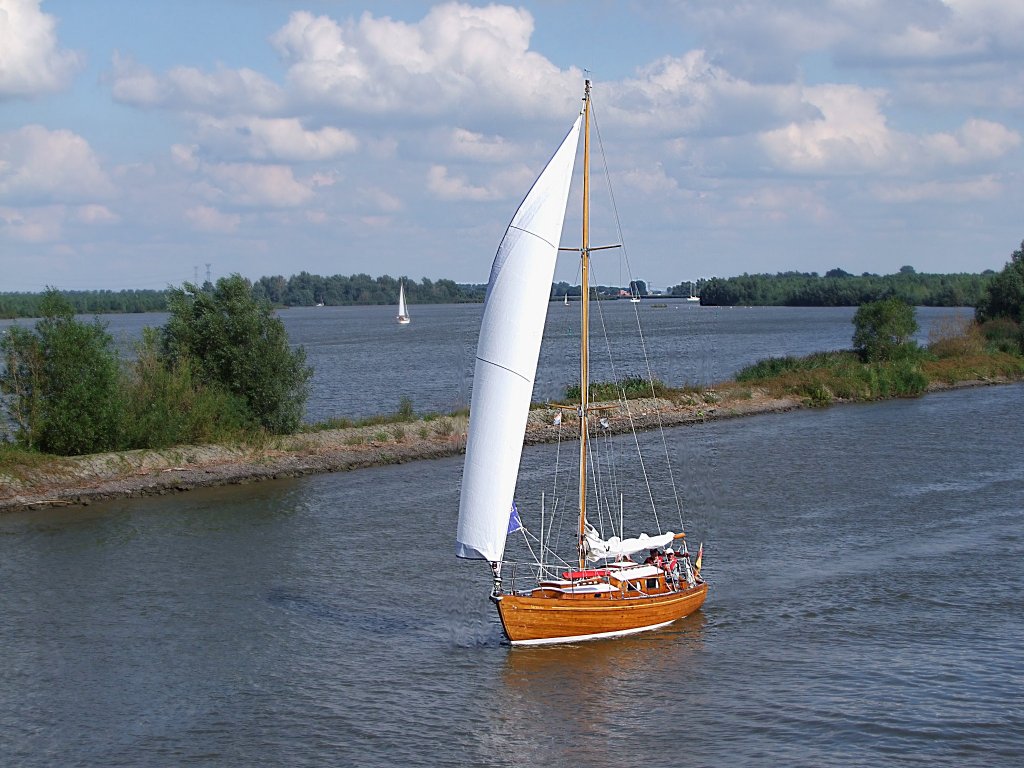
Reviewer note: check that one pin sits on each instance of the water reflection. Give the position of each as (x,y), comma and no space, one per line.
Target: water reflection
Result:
(591,700)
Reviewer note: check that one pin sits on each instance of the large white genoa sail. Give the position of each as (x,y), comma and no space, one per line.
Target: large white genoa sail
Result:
(506,357)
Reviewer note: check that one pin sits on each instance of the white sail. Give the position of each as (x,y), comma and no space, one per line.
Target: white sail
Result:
(403,312)
(506,356)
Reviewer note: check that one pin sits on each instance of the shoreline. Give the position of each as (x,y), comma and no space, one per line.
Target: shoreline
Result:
(83,480)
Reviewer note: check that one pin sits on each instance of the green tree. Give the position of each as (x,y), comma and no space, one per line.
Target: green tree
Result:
(883,329)
(236,342)
(1004,297)
(63,382)
(21,383)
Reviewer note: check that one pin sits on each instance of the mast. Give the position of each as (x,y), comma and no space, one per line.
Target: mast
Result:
(585,322)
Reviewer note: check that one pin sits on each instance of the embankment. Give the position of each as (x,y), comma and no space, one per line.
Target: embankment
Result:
(82,480)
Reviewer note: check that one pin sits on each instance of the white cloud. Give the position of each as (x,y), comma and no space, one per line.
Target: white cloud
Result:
(225,91)
(31,61)
(95,214)
(281,139)
(33,225)
(457,56)
(476,146)
(651,181)
(42,166)
(688,94)
(257,186)
(207,219)
(852,136)
(447,187)
(381,199)
(185,157)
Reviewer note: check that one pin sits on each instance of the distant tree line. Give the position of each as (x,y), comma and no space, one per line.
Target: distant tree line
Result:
(86,302)
(837,288)
(306,290)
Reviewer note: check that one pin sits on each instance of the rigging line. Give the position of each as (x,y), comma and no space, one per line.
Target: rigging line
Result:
(609,473)
(615,489)
(632,425)
(636,311)
(643,464)
(604,508)
(546,535)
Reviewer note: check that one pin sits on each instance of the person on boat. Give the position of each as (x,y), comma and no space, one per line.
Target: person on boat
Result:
(654,558)
(672,566)
(671,563)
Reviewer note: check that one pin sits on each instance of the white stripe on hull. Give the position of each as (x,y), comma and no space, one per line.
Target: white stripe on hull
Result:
(596,636)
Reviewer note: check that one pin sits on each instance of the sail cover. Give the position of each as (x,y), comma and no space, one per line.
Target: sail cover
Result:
(506,356)
(600,549)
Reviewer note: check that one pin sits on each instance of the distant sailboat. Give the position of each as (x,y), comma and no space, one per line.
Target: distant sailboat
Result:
(403,311)
(593,589)
(693,297)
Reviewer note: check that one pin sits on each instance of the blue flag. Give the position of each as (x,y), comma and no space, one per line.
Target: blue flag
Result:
(513,520)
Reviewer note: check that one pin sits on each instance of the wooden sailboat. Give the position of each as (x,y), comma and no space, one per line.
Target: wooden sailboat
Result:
(599,591)
(403,311)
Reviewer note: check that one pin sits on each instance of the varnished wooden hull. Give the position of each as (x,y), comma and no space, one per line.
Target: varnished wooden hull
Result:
(529,620)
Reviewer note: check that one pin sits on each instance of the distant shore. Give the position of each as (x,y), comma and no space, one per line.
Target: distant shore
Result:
(82,480)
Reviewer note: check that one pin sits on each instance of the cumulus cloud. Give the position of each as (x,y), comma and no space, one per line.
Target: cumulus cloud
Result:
(457,56)
(31,61)
(253,186)
(651,181)
(689,94)
(380,199)
(447,187)
(278,139)
(476,146)
(32,225)
(95,214)
(224,91)
(207,219)
(852,136)
(38,165)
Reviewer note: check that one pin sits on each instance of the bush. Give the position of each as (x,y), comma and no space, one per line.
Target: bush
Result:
(62,382)
(1004,335)
(235,343)
(955,337)
(629,388)
(883,329)
(166,405)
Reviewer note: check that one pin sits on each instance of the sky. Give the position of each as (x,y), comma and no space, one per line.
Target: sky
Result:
(144,144)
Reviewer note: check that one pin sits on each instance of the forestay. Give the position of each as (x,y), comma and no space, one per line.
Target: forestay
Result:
(506,358)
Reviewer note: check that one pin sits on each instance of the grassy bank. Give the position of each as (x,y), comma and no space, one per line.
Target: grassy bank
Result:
(29,479)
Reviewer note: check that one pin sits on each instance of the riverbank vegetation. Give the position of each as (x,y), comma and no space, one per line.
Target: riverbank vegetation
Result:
(220,370)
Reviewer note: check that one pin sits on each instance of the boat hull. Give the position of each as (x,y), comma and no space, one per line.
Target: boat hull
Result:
(530,620)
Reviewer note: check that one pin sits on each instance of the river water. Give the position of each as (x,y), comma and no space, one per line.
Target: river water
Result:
(365,363)
(866,608)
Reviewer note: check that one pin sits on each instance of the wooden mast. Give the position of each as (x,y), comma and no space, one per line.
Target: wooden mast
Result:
(585,323)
